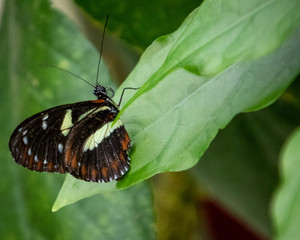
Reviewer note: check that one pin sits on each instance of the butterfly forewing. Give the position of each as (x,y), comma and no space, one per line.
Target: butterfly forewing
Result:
(36,142)
(77,138)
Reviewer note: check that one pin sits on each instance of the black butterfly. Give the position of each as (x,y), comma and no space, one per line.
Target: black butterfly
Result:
(77,138)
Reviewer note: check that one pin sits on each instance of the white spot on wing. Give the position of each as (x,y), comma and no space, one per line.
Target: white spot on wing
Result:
(60,147)
(25,140)
(29,151)
(45,162)
(20,129)
(45,117)
(67,123)
(35,158)
(94,139)
(44,125)
(24,133)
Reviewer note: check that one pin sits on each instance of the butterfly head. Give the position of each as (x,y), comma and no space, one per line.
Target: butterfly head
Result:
(102,92)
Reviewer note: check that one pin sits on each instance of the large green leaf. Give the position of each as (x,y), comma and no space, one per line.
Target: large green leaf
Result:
(32,33)
(286,207)
(210,40)
(176,113)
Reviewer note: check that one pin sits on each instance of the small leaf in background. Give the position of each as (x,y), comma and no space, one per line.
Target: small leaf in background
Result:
(286,204)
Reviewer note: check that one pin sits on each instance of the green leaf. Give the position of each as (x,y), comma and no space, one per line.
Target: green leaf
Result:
(178,112)
(210,40)
(286,207)
(32,33)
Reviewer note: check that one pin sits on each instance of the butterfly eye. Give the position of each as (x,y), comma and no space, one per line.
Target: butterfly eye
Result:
(100,91)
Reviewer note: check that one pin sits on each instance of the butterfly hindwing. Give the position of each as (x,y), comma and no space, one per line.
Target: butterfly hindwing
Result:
(103,154)
(77,138)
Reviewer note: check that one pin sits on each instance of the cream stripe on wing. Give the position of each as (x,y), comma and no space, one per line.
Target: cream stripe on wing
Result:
(94,139)
(85,114)
(67,123)
(93,111)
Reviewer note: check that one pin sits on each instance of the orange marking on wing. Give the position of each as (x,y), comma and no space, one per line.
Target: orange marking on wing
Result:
(114,165)
(122,157)
(98,101)
(39,166)
(74,163)
(94,174)
(83,171)
(125,142)
(50,167)
(29,162)
(104,172)
(68,157)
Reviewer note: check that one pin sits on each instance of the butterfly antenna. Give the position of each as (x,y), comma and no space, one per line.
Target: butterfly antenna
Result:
(101,49)
(47,65)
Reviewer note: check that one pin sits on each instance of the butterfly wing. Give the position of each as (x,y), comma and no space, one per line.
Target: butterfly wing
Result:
(37,142)
(66,139)
(101,155)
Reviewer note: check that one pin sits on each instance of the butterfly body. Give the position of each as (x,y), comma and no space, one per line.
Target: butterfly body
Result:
(77,138)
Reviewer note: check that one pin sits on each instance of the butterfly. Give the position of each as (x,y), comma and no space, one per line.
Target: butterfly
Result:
(78,138)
